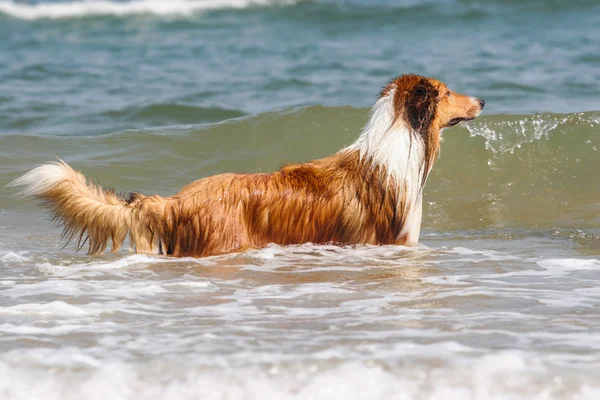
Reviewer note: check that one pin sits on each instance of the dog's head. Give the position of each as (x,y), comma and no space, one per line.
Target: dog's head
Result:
(409,108)
(425,106)
(427,103)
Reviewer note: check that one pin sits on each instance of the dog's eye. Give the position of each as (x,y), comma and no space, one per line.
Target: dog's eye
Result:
(448,93)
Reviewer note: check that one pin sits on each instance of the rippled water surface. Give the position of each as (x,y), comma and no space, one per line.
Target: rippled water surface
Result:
(499,302)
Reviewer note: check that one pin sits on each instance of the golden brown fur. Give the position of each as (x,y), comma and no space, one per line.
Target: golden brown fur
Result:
(348,198)
(333,200)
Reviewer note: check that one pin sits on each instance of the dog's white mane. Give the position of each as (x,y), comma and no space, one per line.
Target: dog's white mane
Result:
(387,141)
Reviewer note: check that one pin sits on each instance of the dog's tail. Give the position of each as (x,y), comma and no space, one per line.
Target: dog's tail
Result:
(79,206)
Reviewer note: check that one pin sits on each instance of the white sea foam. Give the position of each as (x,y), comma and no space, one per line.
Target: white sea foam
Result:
(15,257)
(66,357)
(21,329)
(274,323)
(504,375)
(315,258)
(482,255)
(192,285)
(450,280)
(59,308)
(100,7)
(569,264)
(135,260)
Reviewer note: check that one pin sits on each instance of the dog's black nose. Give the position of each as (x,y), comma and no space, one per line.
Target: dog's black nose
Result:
(482,103)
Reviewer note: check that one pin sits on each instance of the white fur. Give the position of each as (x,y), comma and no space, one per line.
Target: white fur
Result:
(389,144)
(412,224)
(41,179)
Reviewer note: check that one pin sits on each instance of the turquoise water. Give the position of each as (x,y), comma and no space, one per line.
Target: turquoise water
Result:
(79,72)
(501,300)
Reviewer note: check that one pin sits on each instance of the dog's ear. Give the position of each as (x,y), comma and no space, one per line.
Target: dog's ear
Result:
(421,105)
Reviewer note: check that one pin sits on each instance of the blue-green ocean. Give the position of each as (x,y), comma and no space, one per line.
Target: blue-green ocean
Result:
(502,299)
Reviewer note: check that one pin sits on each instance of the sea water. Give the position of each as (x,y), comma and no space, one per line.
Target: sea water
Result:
(499,302)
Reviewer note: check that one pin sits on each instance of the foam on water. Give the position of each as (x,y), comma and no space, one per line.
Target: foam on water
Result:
(99,7)
(569,264)
(309,321)
(55,308)
(18,256)
(504,375)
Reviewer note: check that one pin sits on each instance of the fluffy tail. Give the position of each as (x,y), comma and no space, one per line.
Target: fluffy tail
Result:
(80,207)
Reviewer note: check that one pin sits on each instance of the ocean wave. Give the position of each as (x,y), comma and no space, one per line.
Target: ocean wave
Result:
(172,113)
(101,8)
(185,8)
(500,171)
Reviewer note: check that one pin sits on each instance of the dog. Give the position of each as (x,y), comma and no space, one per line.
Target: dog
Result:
(370,192)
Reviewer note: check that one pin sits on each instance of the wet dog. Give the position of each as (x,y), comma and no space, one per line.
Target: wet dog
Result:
(370,192)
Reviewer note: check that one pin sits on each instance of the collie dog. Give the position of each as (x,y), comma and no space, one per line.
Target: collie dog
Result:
(370,192)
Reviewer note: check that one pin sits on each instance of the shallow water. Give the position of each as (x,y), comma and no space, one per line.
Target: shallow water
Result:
(502,318)
(500,301)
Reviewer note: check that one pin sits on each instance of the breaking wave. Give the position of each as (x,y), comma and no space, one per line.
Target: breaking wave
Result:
(102,8)
(500,171)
